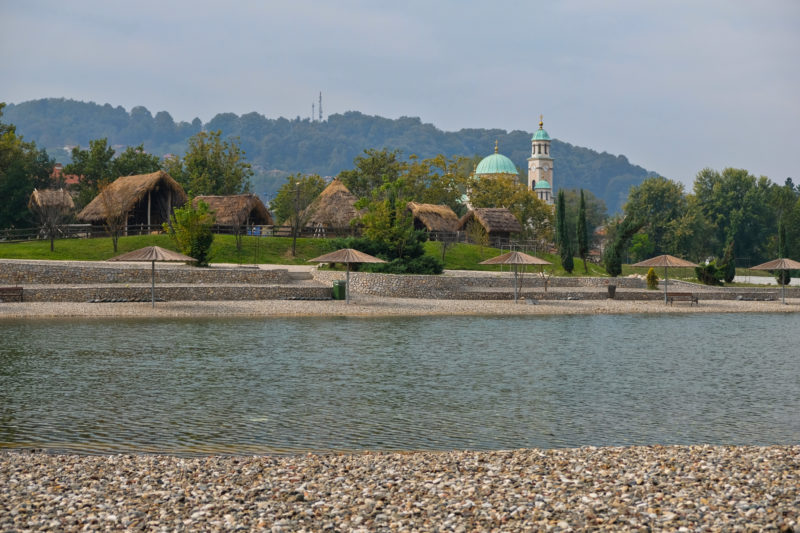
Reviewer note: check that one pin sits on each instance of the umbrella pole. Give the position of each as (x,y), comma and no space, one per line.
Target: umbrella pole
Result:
(347,286)
(153,283)
(666,282)
(515,283)
(783,290)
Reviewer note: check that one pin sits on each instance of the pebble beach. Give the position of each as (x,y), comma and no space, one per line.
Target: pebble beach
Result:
(653,488)
(366,306)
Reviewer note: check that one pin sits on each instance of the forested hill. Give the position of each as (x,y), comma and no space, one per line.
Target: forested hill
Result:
(280,146)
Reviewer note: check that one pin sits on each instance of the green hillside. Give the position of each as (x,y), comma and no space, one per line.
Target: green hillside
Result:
(277,147)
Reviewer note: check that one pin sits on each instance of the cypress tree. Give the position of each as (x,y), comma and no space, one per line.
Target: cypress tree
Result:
(583,234)
(782,276)
(562,237)
(728,265)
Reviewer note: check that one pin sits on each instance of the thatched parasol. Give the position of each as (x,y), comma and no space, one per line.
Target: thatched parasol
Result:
(346,256)
(779,264)
(516,259)
(665,261)
(153,254)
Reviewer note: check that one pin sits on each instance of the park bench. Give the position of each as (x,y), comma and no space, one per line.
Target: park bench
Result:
(10,294)
(681,297)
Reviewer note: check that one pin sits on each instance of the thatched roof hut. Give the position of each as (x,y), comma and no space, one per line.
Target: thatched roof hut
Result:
(433,217)
(146,198)
(51,200)
(498,222)
(333,208)
(237,209)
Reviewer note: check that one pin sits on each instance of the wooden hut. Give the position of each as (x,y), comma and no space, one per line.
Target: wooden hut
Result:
(148,199)
(433,218)
(333,209)
(237,210)
(498,222)
(57,201)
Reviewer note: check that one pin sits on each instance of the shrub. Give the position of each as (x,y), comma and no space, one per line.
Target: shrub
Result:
(709,274)
(190,229)
(652,279)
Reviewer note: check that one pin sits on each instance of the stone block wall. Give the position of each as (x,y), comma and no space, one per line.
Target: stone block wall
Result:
(14,272)
(450,287)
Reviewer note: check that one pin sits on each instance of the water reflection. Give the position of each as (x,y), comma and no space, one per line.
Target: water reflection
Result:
(287,385)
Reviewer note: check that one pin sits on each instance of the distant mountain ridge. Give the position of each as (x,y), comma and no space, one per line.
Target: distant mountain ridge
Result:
(277,147)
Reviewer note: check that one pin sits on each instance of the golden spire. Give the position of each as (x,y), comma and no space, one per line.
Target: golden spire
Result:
(541,121)
(495,146)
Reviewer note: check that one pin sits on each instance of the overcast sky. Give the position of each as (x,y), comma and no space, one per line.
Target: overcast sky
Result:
(674,85)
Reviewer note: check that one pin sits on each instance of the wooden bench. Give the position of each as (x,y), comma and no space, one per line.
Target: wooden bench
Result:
(10,294)
(681,297)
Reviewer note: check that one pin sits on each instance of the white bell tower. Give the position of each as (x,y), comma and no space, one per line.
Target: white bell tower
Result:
(540,165)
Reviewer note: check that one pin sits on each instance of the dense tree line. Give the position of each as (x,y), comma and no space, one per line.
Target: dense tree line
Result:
(728,210)
(278,147)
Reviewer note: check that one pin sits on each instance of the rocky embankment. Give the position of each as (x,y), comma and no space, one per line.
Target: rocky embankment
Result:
(654,488)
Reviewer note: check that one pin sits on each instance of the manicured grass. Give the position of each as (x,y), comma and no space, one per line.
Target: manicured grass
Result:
(276,250)
(468,257)
(223,250)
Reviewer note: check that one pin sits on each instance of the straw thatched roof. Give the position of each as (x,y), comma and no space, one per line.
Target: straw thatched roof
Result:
(237,210)
(665,261)
(778,264)
(433,217)
(346,255)
(51,199)
(128,191)
(515,258)
(152,253)
(493,219)
(334,207)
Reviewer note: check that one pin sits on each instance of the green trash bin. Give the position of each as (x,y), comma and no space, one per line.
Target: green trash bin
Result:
(339,290)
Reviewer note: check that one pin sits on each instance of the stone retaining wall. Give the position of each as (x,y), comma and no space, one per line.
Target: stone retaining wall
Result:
(75,273)
(174,293)
(455,287)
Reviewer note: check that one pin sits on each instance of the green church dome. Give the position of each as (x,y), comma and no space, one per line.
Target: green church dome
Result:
(540,134)
(542,184)
(495,164)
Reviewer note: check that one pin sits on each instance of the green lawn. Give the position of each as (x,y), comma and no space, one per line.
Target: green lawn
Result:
(468,257)
(223,250)
(276,250)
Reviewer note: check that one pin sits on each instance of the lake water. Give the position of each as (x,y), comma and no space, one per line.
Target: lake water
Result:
(297,385)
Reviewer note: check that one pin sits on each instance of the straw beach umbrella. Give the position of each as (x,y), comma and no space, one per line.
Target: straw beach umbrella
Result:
(516,259)
(346,256)
(665,261)
(779,264)
(153,254)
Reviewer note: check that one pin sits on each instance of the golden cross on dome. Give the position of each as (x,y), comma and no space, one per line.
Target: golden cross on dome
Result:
(495,146)
(541,121)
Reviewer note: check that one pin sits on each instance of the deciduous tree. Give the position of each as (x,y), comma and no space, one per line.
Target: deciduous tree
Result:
(190,229)
(293,200)
(211,166)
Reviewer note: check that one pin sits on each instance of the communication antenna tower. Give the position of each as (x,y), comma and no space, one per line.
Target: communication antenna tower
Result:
(312,111)
(320,106)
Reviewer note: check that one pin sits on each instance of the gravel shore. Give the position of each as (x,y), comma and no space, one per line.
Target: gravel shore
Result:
(363,306)
(654,488)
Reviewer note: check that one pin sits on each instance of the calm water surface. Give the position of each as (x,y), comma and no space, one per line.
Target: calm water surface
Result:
(294,385)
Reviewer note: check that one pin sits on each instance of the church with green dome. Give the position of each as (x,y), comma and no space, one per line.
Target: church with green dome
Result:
(540,166)
(495,166)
